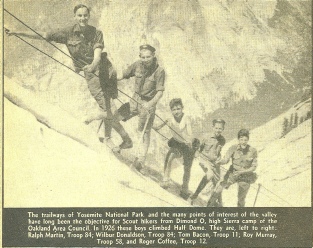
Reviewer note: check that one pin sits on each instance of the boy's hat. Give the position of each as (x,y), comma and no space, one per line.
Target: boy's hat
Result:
(147,47)
(219,121)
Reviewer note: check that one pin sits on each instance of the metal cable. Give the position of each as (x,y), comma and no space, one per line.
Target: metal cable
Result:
(118,89)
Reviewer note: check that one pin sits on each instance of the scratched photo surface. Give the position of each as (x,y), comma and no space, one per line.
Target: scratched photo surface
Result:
(245,62)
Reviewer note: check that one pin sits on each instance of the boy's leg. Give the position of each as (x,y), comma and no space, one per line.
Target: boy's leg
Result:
(243,189)
(108,83)
(123,113)
(96,91)
(228,180)
(108,120)
(217,191)
(103,99)
(186,178)
(144,146)
(104,102)
(207,168)
(204,181)
(188,155)
(170,156)
(215,182)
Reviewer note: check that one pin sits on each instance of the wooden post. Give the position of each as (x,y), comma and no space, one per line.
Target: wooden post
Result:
(257,193)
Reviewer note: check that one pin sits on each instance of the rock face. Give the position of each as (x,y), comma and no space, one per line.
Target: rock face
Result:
(221,51)
(46,169)
(249,61)
(284,160)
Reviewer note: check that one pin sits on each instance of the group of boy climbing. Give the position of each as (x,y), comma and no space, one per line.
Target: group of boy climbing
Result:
(85,44)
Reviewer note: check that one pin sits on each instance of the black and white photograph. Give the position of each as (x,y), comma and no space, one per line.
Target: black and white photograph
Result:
(187,104)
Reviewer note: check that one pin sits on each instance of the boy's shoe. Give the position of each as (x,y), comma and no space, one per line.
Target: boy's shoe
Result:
(144,171)
(212,201)
(219,204)
(138,165)
(109,142)
(212,204)
(165,184)
(95,117)
(126,144)
(192,199)
(116,149)
(184,195)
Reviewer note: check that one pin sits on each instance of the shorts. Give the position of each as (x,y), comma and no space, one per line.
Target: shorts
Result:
(184,150)
(108,77)
(134,108)
(102,84)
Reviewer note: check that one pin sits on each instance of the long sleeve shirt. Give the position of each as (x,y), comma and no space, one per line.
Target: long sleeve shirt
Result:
(242,159)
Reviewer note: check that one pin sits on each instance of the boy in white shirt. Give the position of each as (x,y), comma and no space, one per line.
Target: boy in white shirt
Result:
(181,144)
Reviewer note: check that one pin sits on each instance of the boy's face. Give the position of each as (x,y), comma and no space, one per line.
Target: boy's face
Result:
(146,57)
(243,141)
(177,111)
(218,128)
(82,17)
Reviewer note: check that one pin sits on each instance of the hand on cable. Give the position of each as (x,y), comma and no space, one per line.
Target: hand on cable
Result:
(195,144)
(9,32)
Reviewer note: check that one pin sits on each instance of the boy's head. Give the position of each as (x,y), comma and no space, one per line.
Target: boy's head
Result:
(147,54)
(243,137)
(177,107)
(81,14)
(218,126)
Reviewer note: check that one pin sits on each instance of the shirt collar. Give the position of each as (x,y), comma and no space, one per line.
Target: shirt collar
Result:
(77,29)
(245,150)
(214,136)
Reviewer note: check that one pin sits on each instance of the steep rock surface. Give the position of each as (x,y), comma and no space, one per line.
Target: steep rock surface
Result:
(222,51)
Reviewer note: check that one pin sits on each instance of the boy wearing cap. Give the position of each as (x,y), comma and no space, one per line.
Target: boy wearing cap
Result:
(149,87)
(210,152)
(244,163)
(181,144)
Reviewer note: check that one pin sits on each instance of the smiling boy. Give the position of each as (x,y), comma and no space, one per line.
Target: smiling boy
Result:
(149,87)
(85,44)
(241,171)
(210,152)
(181,144)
